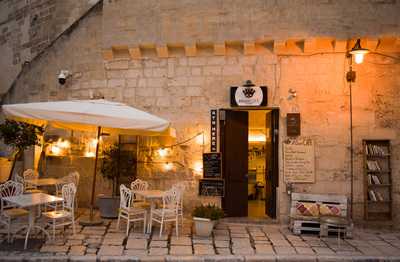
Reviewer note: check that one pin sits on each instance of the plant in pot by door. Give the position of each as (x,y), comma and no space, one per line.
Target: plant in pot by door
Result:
(108,205)
(205,217)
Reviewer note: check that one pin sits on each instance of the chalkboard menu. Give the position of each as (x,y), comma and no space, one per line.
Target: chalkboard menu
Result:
(211,187)
(212,165)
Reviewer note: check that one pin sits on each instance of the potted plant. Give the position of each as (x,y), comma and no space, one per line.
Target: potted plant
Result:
(108,205)
(20,136)
(205,217)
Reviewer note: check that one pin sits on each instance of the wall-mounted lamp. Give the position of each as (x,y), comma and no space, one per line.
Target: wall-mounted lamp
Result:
(358,52)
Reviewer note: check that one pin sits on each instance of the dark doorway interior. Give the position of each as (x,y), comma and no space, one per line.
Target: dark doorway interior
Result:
(249,147)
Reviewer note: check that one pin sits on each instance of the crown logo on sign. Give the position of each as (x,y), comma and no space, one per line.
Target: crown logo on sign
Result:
(248,91)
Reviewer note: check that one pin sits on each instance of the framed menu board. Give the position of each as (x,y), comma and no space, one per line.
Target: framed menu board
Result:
(299,161)
(212,165)
(211,187)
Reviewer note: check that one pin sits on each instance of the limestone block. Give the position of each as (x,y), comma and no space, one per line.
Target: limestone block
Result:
(216,60)
(387,44)
(340,45)
(117,64)
(191,50)
(212,70)
(108,54)
(160,72)
(193,91)
(113,83)
(249,48)
(219,49)
(156,82)
(110,250)
(196,71)
(136,243)
(197,61)
(162,51)
(134,73)
(231,70)
(135,53)
(324,44)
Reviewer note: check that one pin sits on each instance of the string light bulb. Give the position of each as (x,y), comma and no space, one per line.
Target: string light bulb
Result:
(168,166)
(163,152)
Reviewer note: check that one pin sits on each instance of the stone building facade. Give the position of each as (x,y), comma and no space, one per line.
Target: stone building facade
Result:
(177,60)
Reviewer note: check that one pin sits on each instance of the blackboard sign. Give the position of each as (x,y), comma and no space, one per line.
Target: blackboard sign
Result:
(211,187)
(212,165)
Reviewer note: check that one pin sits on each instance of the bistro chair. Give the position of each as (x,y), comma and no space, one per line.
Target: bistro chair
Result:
(168,212)
(8,211)
(129,212)
(66,215)
(180,188)
(29,174)
(72,177)
(139,185)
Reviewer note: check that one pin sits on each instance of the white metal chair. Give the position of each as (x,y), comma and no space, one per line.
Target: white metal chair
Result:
(8,211)
(72,177)
(129,212)
(139,185)
(66,215)
(168,212)
(30,174)
(180,188)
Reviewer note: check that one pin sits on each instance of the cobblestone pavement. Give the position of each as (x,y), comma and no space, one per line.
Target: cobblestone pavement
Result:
(229,242)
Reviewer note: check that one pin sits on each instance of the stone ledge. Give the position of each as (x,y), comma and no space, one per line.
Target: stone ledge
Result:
(305,46)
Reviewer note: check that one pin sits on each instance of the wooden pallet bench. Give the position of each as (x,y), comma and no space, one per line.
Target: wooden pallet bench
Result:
(311,223)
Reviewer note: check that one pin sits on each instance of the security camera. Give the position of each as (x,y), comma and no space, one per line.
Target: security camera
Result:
(62,77)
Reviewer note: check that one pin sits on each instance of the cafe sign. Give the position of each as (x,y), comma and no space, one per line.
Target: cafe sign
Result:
(248,96)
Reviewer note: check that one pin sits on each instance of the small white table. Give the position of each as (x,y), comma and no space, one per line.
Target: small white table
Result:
(31,201)
(150,195)
(43,181)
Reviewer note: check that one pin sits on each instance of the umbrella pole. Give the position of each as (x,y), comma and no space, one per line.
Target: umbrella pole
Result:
(91,220)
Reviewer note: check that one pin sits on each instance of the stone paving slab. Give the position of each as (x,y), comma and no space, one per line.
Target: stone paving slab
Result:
(228,243)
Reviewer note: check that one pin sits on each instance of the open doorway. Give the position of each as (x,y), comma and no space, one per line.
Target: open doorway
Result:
(249,147)
(259,152)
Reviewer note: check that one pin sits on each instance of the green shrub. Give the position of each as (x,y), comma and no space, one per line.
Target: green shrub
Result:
(208,211)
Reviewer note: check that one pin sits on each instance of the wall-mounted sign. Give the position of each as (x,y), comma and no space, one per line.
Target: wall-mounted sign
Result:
(211,187)
(212,165)
(213,134)
(293,124)
(299,161)
(249,96)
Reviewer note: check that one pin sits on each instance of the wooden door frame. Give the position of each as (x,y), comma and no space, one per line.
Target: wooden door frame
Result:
(275,148)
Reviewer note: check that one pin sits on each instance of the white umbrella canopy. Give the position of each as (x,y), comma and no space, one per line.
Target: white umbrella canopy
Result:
(90,115)
(87,115)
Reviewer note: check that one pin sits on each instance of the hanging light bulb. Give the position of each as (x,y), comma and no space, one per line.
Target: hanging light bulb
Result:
(168,166)
(358,52)
(163,152)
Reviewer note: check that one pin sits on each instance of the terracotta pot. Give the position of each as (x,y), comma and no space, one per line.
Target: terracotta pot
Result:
(203,226)
(108,206)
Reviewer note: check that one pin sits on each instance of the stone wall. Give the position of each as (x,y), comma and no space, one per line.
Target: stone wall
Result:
(183,89)
(134,23)
(28,27)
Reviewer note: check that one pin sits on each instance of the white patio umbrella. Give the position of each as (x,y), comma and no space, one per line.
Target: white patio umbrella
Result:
(89,115)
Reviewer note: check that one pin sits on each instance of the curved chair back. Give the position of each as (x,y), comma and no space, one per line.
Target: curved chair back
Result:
(29,174)
(125,197)
(171,199)
(139,185)
(68,194)
(10,188)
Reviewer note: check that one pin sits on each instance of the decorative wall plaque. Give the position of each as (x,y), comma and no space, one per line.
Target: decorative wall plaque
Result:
(249,96)
(293,124)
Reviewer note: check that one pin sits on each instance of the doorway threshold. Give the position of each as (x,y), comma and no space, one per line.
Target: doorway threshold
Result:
(249,220)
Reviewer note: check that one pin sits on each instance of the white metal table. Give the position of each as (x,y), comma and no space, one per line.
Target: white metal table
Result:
(43,181)
(31,201)
(152,196)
